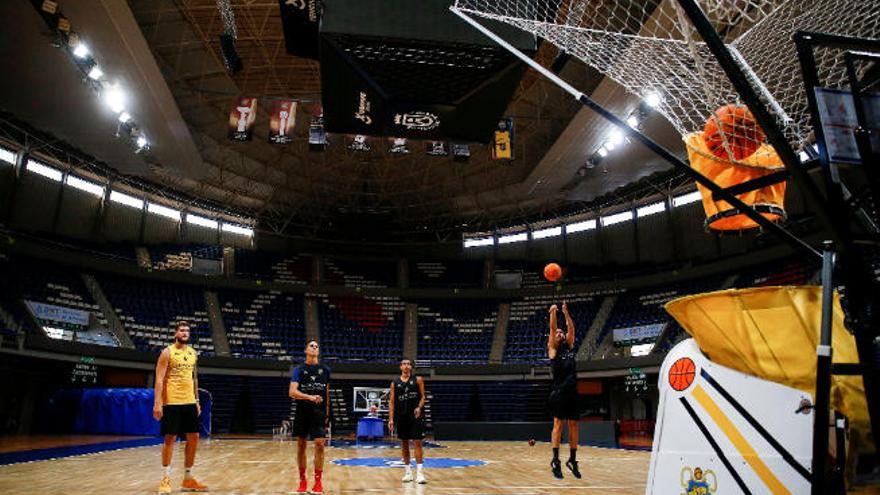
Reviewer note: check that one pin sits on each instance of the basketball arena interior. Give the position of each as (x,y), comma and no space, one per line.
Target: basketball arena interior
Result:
(687,189)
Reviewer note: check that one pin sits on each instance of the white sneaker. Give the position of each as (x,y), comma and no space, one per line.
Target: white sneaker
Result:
(420,479)
(407,477)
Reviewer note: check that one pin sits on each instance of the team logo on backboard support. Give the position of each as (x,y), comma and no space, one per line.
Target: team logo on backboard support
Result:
(364,108)
(697,482)
(417,121)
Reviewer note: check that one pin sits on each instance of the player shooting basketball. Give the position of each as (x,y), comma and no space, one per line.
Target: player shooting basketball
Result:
(563,395)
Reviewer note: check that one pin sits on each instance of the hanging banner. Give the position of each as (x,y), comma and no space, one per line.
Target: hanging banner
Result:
(359,143)
(301,20)
(641,333)
(461,152)
(59,316)
(281,121)
(436,148)
(503,147)
(241,118)
(398,146)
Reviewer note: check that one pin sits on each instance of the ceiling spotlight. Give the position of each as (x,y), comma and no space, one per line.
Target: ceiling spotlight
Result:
(124,117)
(142,142)
(652,99)
(603,152)
(114,96)
(632,121)
(81,50)
(616,137)
(96,73)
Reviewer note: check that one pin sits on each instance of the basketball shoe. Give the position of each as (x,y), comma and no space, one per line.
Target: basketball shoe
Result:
(165,485)
(191,485)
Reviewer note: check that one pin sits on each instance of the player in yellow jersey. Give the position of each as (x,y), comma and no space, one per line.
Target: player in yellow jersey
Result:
(177,405)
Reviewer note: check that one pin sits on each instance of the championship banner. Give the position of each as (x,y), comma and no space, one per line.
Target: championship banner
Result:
(241,119)
(317,135)
(281,121)
(359,143)
(59,316)
(503,148)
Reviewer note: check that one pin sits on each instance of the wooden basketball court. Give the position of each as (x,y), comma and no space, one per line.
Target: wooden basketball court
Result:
(266,466)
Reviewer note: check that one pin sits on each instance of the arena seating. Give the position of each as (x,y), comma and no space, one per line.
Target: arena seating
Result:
(268,325)
(791,272)
(149,310)
(26,279)
(295,269)
(528,328)
(446,274)
(246,404)
(456,331)
(645,306)
(361,328)
(489,401)
(363,274)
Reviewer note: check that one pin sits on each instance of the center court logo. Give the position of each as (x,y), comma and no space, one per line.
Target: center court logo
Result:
(395,462)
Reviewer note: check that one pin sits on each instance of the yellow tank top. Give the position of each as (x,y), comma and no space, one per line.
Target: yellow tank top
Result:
(179,377)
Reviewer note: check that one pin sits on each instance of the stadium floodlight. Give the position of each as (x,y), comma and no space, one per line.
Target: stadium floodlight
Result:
(114,97)
(44,170)
(7,155)
(580,226)
(548,232)
(652,99)
(163,211)
(81,50)
(651,209)
(616,137)
(684,199)
(641,350)
(616,218)
(96,73)
(85,185)
(124,117)
(201,221)
(511,238)
(238,229)
(479,241)
(125,199)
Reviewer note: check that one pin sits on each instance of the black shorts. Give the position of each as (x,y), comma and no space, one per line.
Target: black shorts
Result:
(179,419)
(309,423)
(564,403)
(409,427)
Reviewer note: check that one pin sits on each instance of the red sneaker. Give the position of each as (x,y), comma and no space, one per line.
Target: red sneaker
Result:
(317,489)
(303,486)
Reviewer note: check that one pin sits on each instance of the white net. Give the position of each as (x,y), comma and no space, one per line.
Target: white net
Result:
(650,48)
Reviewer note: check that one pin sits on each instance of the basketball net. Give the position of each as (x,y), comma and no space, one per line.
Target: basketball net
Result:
(650,48)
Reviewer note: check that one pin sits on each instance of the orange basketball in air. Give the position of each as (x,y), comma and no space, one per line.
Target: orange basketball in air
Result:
(737,124)
(552,272)
(681,374)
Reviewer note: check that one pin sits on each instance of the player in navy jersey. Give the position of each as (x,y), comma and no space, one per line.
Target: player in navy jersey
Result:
(563,395)
(406,413)
(309,386)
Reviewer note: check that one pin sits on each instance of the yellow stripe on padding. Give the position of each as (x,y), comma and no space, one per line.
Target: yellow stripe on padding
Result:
(739,441)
